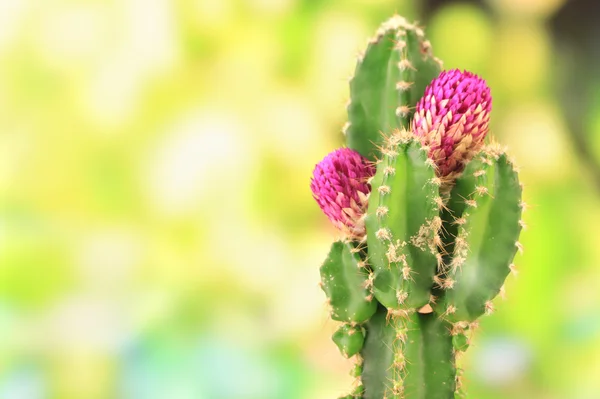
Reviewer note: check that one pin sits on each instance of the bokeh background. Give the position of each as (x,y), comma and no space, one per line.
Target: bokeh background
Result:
(157,234)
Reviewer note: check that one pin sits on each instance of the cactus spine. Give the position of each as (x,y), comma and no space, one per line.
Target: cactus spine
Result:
(430,216)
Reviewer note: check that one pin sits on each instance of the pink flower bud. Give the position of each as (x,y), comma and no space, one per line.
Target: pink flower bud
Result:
(339,185)
(452,119)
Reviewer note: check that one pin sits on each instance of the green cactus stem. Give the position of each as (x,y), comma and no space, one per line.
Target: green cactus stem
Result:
(389,79)
(349,339)
(430,217)
(345,280)
(487,238)
(408,356)
(403,223)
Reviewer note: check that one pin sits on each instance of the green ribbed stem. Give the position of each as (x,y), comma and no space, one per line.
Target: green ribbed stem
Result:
(388,81)
(401,226)
(410,358)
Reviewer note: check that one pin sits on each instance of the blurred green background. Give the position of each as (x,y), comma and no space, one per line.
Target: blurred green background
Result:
(158,238)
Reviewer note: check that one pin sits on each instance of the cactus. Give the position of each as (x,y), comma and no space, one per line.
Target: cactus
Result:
(430,217)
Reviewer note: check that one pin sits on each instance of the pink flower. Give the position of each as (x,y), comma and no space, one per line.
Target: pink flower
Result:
(339,185)
(452,119)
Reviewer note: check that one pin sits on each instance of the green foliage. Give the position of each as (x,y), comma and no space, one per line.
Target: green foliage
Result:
(436,252)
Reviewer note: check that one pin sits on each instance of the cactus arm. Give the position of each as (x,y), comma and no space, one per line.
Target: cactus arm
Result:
(386,85)
(344,278)
(401,226)
(379,351)
(430,368)
(487,240)
(408,357)
(349,339)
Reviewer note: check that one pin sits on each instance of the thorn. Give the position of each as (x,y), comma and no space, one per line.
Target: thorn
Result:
(503,293)
(389,170)
(451,309)
(383,234)
(437,241)
(471,203)
(448,284)
(489,308)
(345,128)
(522,224)
(478,173)
(432,298)
(360,57)
(436,181)
(383,190)
(382,211)
(523,205)
(403,85)
(401,297)
(400,44)
(361,264)
(405,64)
(389,152)
(460,221)
(481,190)
(402,111)
(436,223)
(404,313)
(519,247)
(431,163)
(406,273)
(513,269)
(369,281)
(439,202)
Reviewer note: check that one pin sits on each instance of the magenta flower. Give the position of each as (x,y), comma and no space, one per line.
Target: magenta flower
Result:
(452,119)
(339,185)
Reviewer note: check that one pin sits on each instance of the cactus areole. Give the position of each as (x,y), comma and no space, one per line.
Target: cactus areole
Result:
(430,217)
